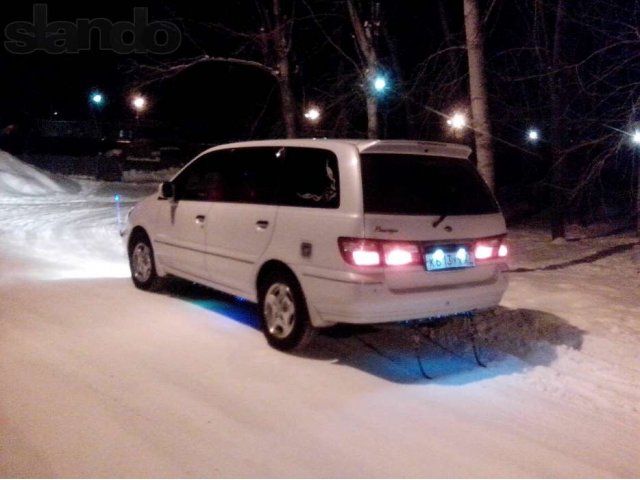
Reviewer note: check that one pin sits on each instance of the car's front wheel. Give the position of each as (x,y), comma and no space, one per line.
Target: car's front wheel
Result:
(283,312)
(142,264)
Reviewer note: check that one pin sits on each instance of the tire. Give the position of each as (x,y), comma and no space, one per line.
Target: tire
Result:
(284,315)
(142,264)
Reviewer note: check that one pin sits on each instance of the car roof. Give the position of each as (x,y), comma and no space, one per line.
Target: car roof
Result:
(413,147)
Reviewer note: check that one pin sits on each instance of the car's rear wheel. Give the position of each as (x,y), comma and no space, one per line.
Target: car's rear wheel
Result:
(142,264)
(283,312)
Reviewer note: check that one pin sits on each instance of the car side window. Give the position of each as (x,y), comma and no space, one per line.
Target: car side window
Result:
(203,179)
(242,175)
(310,178)
(252,175)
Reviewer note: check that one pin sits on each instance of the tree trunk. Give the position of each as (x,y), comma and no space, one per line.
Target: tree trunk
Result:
(637,165)
(287,100)
(364,40)
(478,92)
(399,81)
(444,23)
(372,115)
(558,197)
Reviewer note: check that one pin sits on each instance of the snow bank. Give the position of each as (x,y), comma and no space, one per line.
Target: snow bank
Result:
(18,178)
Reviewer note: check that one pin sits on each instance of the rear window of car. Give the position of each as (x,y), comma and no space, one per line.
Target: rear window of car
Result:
(423,185)
(310,178)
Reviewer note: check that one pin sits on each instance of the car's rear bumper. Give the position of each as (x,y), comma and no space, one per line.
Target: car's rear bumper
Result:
(371,301)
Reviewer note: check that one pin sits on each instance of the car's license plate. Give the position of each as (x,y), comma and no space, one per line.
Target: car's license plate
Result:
(440,260)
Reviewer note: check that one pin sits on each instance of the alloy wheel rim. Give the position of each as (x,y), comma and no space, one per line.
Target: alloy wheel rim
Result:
(141,262)
(279,310)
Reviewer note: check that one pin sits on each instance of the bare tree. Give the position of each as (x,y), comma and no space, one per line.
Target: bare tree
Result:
(609,77)
(266,49)
(558,217)
(365,34)
(478,91)
(280,41)
(542,86)
(439,83)
(357,60)
(573,71)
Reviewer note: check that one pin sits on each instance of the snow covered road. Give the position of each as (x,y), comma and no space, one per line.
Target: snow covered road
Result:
(98,379)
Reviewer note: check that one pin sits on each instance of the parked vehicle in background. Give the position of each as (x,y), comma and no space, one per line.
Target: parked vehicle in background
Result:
(320,232)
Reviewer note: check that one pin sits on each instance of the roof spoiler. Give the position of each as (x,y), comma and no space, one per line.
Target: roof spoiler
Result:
(417,148)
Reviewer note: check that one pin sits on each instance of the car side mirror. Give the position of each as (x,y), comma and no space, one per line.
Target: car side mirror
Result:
(167,190)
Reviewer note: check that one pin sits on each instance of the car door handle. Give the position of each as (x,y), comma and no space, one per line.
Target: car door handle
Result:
(200,219)
(262,224)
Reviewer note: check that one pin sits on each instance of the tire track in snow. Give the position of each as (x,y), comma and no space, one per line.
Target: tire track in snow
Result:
(578,261)
(76,237)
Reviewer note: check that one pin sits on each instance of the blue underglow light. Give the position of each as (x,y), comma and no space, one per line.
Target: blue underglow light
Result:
(117,199)
(240,312)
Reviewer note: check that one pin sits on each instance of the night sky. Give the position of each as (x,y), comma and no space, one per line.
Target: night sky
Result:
(214,102)
(38,84)
(218,102)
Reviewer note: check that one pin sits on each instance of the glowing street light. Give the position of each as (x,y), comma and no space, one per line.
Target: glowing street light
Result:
(312,114)
(635,138)
(379,83)
(139,103)
(457,121)
(533,135)
(97,98)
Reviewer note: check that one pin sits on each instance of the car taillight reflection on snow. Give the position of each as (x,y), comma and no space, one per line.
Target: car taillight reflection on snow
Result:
(490,248)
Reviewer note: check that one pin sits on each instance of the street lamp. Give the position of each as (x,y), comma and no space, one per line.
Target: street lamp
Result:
(139,103)
(379,83)
(457,121)
(533,135)
(97,98)
(312,114)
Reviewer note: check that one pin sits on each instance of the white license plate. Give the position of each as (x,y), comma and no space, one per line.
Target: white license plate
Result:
(440,260)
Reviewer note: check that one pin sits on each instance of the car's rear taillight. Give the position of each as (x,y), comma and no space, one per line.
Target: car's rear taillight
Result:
(360,252)
(490,248)
(401,254)
(482,251)
(375,253)
(365,258)
(365,252)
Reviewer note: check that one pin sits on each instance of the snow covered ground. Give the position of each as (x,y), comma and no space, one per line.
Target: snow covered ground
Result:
(98,379)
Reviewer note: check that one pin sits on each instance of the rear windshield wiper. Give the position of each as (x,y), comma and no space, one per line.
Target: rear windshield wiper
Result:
(439,221)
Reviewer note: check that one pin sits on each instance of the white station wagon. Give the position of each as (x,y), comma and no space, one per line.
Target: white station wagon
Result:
(320,232)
